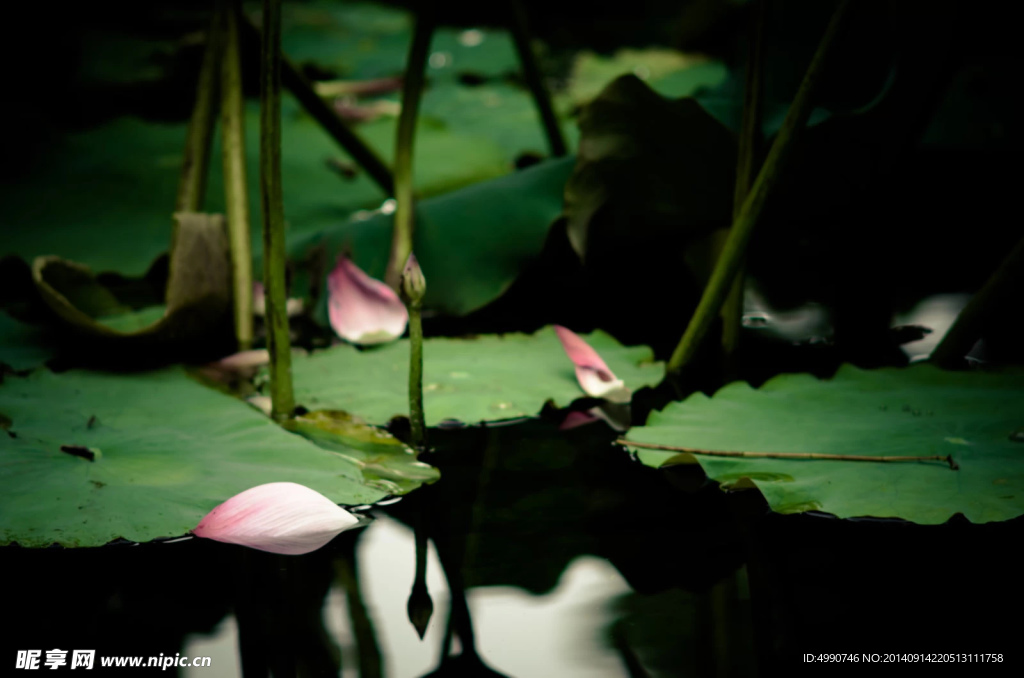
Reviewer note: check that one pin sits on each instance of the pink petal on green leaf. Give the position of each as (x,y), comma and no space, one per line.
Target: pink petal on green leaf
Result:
(363,310)
(594,376)
(283,518)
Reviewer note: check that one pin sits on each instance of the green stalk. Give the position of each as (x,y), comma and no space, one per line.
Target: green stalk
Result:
(272,208)
(192,184)
(967,328)
(236,194)
(298,85)
(749,140)
(416,417)
(412,88)
(743,225)
(535,81)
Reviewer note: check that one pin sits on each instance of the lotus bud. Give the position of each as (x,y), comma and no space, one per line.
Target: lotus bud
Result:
(413,284)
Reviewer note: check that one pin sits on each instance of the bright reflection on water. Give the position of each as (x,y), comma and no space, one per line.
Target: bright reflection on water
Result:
(937,313)
(517,634)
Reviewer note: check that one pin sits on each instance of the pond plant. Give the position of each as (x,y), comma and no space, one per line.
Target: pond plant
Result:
(526,358)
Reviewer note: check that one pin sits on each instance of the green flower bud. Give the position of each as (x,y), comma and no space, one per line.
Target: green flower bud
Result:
(413,285)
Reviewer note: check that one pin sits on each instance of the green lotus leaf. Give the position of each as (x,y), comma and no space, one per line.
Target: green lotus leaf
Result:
(89,457)
(919,411)
(471,243)
(197,317)
(384,461)
(472,380)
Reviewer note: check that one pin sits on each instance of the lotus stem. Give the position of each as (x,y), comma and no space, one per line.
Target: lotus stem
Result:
(272,207)
(535,81)
(731,259)
(967,328)
(192,184)
(412,89)
(948,459)
(236,191)
(749,142)
(299,86)
(416,414)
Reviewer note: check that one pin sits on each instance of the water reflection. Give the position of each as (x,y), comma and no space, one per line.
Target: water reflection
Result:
(546,549)
(538,543)
(550,554)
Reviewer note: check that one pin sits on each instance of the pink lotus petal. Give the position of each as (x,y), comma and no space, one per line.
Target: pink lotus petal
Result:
(243,360)
(616,415)
(593,374)
(283,518)
(363,310)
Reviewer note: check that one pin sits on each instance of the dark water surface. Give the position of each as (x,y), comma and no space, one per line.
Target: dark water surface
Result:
(551,554)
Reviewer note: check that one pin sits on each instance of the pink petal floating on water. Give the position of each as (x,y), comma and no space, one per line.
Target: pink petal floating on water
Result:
(283,518)
(594,376)
(616,415)
(576,418)
(363,310)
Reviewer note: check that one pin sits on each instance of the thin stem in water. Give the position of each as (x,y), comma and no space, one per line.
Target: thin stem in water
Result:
(272,207)
(969,324)
(420,607)
(236,192)
(743,225)
(412,89)
(749,142)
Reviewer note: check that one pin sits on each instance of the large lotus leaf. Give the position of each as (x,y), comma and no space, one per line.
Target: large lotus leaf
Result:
(669,72)
(470,243)
(472,380)
(164,451)
(920,411)
(117,185)
(662,167)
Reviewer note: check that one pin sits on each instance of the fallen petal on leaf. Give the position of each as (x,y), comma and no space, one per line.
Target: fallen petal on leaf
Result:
(593,374)
(285,518)
(363,310)
(244,360)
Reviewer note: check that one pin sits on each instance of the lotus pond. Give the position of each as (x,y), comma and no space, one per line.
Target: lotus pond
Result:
(405,339)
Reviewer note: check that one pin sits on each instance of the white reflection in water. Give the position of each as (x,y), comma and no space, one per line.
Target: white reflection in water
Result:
(937,313)
(221,647)
(518,634)
(560,634)
(799,324)
(386,555)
